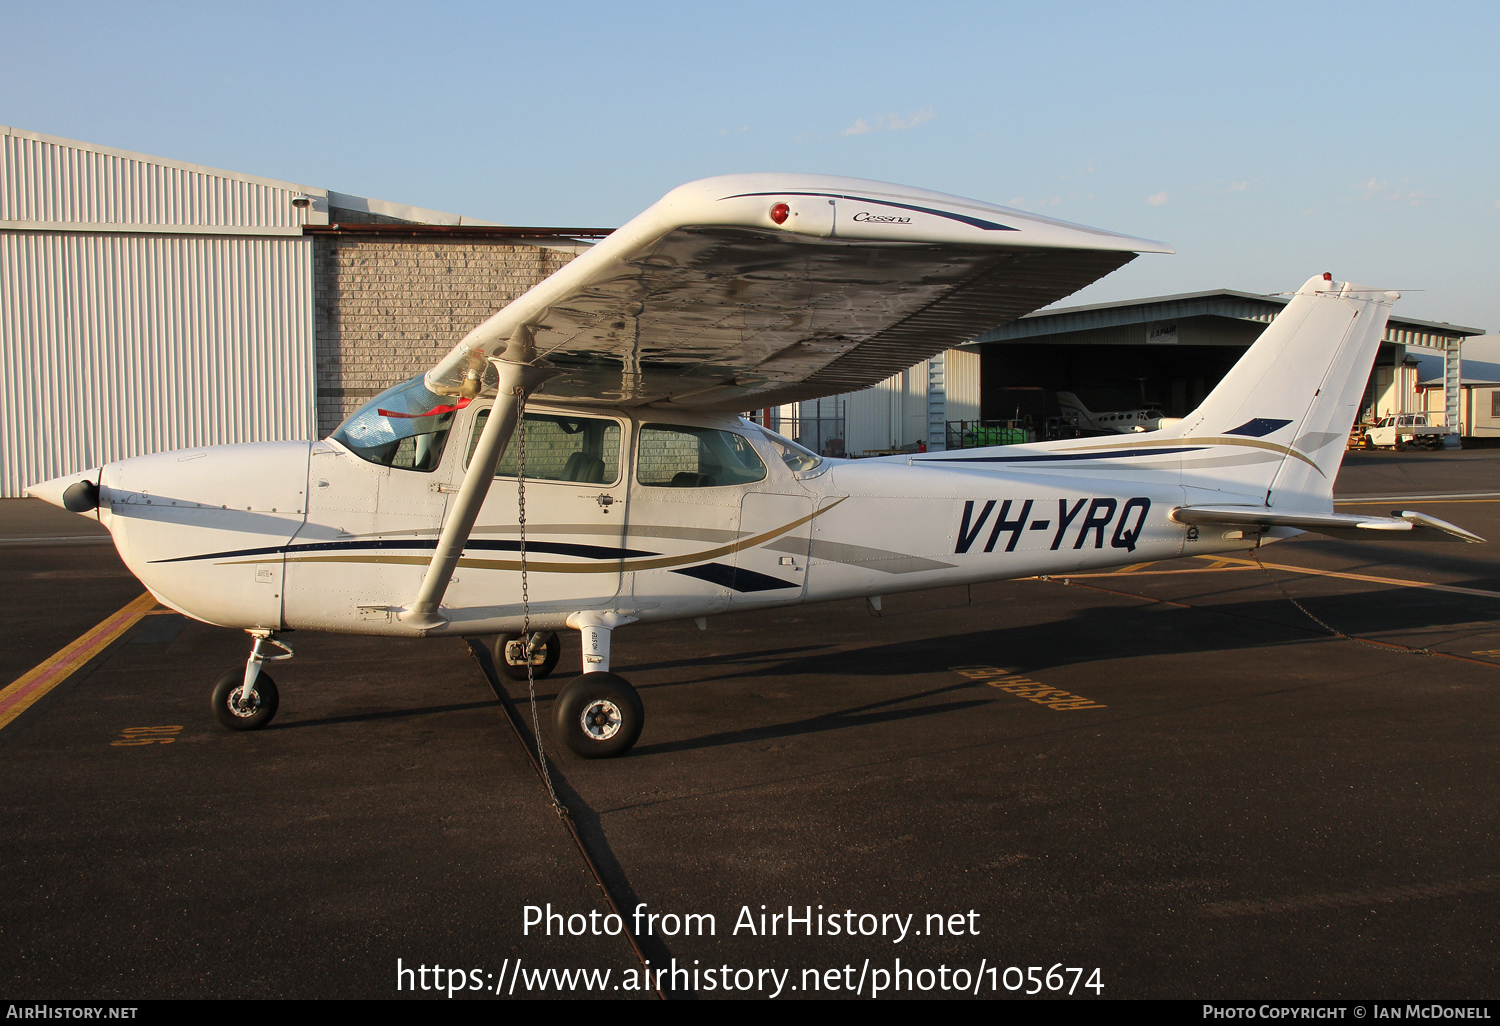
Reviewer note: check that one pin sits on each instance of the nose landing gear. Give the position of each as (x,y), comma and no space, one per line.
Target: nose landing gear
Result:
(235,711)
(510,652)
(247,700)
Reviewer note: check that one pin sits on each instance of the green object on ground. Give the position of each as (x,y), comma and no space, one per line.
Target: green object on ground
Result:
(978,437)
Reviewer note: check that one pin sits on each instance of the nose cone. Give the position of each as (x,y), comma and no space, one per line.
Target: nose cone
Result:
(205,529)
(76,493)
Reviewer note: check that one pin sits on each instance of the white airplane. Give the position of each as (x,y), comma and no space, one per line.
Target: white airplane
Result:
(1119,421)
(647,498)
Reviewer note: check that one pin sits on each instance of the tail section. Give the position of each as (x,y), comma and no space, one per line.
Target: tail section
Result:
(1293,395)
(1070,403)
(1271,433)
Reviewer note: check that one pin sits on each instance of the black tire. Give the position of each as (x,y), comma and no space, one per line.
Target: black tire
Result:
(613,712)
(548,664)
(263,696)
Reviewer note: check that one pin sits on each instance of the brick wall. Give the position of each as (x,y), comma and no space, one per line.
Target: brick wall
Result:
(389,307)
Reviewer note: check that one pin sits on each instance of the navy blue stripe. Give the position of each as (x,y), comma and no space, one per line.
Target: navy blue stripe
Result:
(1062,456)
(989,226)
(551,548)
(1259,427)
(736,578)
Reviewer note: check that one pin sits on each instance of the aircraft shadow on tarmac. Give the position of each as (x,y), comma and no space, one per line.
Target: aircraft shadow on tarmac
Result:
(1101,630)
(756,657)
(1104,632)
(386,714)
(859,716)
(1431,557)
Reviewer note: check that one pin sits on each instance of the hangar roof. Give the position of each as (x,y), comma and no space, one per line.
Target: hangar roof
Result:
(48,183)
(1244,306)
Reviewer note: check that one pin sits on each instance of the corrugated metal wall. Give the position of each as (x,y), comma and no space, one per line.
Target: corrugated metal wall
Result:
(50,180)
(889,415)
(961,382)
(115,344)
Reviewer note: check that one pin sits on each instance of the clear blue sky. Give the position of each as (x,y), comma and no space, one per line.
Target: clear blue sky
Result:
(1266,141)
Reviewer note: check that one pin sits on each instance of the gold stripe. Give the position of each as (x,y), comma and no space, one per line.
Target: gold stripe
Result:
(602,567)
(1249,443)
(27,689)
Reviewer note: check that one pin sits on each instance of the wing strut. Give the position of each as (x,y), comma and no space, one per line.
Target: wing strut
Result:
(517,380)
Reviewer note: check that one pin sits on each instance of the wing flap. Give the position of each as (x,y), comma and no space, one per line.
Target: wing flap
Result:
(1401,523)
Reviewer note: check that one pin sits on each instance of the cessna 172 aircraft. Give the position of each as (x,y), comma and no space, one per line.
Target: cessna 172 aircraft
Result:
(646,497)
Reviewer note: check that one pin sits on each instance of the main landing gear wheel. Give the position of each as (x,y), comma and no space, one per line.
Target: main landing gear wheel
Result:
(252,714)
(517,671)
(599,715)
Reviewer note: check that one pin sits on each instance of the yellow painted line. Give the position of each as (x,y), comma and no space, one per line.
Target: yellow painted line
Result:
(28,688)
(1452,589)
(1407,502)
(1151,573)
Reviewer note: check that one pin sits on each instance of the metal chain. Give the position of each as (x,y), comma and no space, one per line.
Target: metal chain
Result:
(1255,554)
(526,639)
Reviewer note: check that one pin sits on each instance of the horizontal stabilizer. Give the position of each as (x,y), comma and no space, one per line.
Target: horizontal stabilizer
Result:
(1401,523)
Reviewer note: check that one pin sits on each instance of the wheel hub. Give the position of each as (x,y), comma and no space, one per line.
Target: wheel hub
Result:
(601,719)
(244,708)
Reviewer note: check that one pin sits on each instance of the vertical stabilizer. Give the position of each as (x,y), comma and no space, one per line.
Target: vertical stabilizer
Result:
(1292,398)
(1070,403)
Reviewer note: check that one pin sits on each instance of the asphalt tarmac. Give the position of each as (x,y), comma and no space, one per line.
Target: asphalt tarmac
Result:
(1240,804)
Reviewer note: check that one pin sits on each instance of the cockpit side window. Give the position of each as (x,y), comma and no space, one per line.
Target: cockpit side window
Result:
(405,427)
(674,456)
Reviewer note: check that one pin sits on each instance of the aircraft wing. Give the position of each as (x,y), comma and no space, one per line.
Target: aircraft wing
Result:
(750,291)
(1408,524)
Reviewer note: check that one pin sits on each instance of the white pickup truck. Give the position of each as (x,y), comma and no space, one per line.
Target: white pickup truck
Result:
(1403,430)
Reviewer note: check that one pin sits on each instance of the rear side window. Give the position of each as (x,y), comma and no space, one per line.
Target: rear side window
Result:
(560,448)
(672,456)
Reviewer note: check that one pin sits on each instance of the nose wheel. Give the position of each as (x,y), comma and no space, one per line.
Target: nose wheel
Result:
(509,652)
(599,715)
(247,699)
(236,711)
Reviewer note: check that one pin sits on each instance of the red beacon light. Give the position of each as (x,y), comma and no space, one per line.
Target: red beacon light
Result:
(1328,276)
(780,212)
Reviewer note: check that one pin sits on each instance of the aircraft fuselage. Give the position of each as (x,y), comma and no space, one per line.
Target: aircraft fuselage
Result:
(310,536)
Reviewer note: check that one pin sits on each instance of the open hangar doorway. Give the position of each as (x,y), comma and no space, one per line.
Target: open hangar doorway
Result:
(1164,353)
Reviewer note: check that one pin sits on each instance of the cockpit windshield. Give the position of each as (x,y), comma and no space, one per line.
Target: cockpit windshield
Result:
(404,427)
(792,454)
